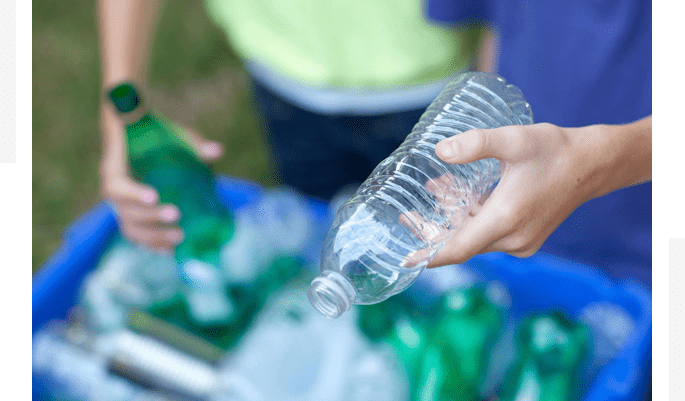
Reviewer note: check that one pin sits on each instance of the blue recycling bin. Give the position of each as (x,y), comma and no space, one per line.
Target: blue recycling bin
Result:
(535,284)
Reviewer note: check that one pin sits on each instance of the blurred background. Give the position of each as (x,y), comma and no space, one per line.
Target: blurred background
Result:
(190,56)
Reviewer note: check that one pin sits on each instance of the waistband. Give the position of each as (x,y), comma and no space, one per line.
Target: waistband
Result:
(348,101)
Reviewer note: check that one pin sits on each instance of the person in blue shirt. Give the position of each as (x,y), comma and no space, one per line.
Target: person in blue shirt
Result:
(573,185)
(576,184)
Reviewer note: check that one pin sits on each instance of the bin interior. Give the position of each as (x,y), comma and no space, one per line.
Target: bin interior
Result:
(534,284)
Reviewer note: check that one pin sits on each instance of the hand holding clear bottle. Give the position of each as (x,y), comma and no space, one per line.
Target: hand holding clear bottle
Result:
(540,186)
(422,205)
(413,202)
(547,173)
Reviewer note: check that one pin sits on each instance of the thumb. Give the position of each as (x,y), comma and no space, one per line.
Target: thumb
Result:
(206,149)
(474,145)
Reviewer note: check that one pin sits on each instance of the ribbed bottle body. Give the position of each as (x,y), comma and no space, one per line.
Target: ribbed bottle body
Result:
(413,202)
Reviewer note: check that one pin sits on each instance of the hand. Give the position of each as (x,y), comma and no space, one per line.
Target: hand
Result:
(547,172)
(141,218)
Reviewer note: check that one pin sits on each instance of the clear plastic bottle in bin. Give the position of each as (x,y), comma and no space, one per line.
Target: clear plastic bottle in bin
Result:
(413,202)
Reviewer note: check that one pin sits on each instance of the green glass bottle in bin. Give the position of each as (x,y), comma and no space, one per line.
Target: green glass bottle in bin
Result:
(455,362)
(161,156)
(552,349)
(445,351)
(393,323)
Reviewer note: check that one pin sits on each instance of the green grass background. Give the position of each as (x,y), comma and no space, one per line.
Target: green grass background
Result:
(195,78)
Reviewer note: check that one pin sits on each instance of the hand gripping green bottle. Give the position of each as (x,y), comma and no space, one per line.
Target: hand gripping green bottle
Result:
(552,348)
(161,156)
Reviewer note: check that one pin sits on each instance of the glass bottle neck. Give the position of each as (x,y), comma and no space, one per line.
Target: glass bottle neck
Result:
(134,116)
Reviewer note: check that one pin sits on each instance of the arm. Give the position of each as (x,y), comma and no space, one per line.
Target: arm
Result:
(628,156)
(126,28)
(487,50)
(125,32)
(547,172)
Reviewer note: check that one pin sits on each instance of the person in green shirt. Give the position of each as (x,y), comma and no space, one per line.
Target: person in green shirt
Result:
(339,86)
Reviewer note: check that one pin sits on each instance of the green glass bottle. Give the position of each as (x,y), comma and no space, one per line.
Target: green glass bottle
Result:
(392,322)
(455,362)
(552,349)
(444,351)
(161,156)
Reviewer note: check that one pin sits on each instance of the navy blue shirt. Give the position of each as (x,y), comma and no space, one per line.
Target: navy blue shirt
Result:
(580,63)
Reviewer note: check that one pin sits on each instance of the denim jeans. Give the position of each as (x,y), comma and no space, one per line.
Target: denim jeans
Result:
(319,154)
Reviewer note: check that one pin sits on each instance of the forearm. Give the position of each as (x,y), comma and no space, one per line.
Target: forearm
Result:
(621,155)
(486,53)
(126,28)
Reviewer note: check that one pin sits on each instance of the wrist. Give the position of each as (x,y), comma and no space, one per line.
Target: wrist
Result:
(594,158)
(615,156)
(125,102)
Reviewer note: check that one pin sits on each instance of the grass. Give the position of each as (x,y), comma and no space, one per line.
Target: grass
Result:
(195,78)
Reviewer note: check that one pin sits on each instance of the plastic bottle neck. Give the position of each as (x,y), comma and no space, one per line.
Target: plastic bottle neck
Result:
(331,294)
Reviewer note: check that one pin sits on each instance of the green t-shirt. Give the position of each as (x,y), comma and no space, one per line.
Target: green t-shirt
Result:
(351,44)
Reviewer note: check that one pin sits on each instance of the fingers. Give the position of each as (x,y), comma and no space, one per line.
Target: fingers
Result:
(166,215)
(427,232)
(417,224)
(494,228)
(206,149)
(444,190)
(122,189)
(141,218)
(412,220)
(157,238)
(491,226)
(152,226)
(452,197)
(423,229)
(416,257)
(535,194)
(500,143)
(211,151)
(475,236)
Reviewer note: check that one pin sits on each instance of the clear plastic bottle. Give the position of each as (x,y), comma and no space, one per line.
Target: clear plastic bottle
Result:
(278,225)
(128,277)
(413,202)
(611,327)
(292,353)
